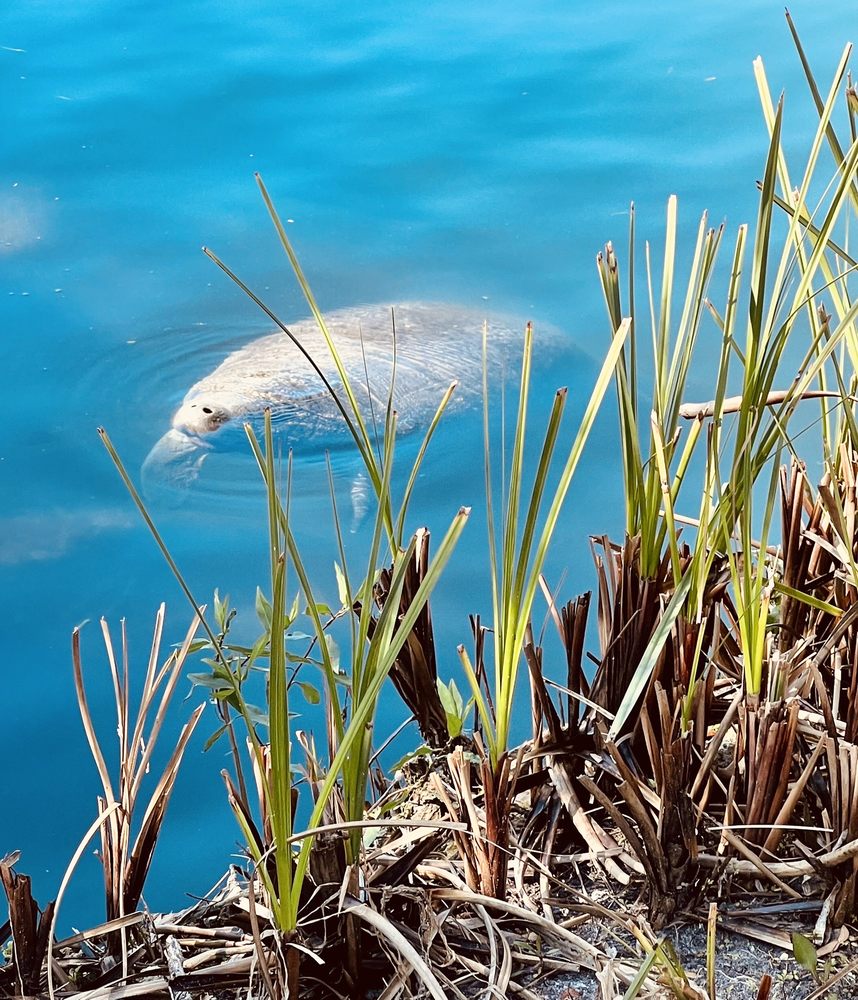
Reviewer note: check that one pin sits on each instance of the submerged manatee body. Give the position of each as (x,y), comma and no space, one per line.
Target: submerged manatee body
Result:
(436,344)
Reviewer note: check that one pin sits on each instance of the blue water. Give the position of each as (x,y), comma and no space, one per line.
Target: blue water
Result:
(475,153)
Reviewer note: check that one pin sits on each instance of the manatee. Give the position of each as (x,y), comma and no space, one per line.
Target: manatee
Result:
(436,344)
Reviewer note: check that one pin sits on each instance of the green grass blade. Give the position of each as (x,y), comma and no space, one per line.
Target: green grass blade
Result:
(363,712)
(418,461)
(306,588)
(644,670)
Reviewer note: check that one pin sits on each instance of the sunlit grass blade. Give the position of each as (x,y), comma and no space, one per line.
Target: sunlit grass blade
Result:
(418,461)
(159,541)
(280,800)
(642,674)
(830,132)
(359,440)
(516,595)
(360,433)
(672,353)
(362,713)
(303,578)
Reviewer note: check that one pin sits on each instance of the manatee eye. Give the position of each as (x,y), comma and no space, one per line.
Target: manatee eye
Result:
(207,409)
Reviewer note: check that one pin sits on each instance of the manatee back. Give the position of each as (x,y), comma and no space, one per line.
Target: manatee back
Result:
(435,344)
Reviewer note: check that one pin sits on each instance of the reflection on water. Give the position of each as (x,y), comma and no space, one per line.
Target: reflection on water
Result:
(47,535)
(477,153)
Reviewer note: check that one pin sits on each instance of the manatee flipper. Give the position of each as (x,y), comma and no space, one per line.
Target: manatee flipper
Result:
(361,494)
(176,459)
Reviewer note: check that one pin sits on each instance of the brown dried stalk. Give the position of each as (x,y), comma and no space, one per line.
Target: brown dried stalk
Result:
(30,929)
(732,404)
(126,866)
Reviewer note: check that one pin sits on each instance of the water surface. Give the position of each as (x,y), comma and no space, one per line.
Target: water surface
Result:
(475,153)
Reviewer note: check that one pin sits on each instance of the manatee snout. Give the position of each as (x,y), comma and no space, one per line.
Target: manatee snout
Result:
(200,416)
(177,458)
(175,461)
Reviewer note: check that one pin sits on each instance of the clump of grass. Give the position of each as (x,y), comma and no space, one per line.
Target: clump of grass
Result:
(282,855)
(126,858)
(517,548)
(707,643)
